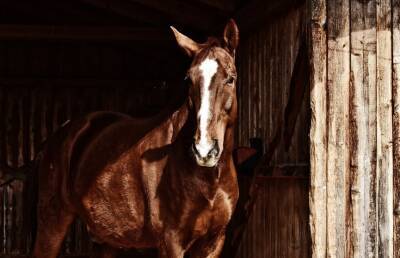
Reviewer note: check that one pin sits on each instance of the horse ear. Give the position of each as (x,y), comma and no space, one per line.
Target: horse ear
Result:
(231,36)
(187,44)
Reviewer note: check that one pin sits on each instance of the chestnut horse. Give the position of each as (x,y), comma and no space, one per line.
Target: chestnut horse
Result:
(168,184)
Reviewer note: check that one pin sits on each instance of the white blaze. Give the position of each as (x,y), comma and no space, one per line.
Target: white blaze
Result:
(208,69)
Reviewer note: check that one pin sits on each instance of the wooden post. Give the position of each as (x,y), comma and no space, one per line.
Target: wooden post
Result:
(396,123)
(362,165)
(318,81)
(384,130)
(359,128)
(338,128)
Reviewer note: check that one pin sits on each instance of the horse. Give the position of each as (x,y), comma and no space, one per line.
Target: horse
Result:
(168,183)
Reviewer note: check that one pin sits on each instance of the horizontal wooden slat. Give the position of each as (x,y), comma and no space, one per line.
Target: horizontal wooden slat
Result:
(84,83)
(42,32)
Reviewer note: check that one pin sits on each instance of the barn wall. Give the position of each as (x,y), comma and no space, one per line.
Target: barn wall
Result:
(278,226)
(354,136)
(43,85)
(265,63)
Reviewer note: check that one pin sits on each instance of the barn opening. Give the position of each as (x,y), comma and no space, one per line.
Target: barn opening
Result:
(63,59)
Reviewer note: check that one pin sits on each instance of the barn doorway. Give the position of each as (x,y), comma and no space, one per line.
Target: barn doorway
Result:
(63,59)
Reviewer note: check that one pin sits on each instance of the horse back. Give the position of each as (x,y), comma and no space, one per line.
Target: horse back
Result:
(91,142)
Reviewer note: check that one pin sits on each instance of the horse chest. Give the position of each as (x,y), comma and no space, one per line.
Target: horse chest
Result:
(216,215)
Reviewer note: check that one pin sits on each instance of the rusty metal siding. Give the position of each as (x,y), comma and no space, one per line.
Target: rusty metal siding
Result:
(265,64)
(278,227)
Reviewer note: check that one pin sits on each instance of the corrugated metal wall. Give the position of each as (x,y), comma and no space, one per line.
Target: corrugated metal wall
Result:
(266,61)
(278,227)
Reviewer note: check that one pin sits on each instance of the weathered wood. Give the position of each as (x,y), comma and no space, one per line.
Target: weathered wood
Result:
(318,144)
(42,32)
(384,130)
(359,132)
(337,123)
(369,66)
(396,123)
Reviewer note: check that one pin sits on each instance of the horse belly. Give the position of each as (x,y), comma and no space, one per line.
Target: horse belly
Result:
(115,213)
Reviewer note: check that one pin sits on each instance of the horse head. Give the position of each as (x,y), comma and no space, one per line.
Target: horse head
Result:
(212,93)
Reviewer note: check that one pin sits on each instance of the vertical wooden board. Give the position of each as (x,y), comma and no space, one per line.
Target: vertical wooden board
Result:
(337,116)
(396,123)
(369,70)
(359,125)
(318,83)
(384,130)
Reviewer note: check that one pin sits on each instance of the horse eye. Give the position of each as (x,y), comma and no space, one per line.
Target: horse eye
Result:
(230,80)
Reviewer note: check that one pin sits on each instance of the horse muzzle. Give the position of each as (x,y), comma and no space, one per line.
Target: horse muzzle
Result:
(206,155)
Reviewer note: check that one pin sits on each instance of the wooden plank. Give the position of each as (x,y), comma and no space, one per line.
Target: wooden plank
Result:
(46,32)
(359,132)
(139,85)
(369,64)
(384,130)
(396,122)
(318,145)
(337,131)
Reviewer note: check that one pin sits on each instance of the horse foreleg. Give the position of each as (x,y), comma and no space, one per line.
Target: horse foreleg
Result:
(53,224)
(208,247)
(170,246)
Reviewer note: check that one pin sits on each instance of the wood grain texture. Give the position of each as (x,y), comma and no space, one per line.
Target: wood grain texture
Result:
(396,123)
(384,130)
(358,129)
(338,127)
(318,144)
(369,70)
(361,161)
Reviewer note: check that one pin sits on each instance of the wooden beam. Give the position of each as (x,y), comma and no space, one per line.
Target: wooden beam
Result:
(384,128)
(396,123)
(183,13)
(34,32)
(318,142)
(139,85)
(131,10)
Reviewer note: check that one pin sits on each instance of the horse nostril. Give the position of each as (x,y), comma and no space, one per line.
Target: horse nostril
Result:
(196,152)
(214,150)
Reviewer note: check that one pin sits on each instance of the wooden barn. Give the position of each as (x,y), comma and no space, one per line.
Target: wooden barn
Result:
(317,138)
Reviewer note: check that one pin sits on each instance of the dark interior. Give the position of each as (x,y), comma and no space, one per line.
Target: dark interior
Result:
(65,58)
